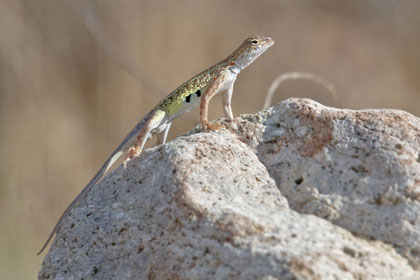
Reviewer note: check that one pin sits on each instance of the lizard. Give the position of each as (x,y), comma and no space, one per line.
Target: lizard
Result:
(194,92)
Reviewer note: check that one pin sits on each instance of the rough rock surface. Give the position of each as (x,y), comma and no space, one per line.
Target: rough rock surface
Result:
(234,204)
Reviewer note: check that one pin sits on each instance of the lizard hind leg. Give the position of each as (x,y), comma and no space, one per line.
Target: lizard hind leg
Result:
(154,121)
(161,137)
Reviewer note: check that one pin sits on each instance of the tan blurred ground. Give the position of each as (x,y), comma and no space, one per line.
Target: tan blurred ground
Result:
(75,76)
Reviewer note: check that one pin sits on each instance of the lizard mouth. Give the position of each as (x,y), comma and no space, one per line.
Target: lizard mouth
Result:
(270,41)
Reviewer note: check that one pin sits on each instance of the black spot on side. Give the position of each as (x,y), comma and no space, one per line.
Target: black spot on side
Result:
(188,98)
(198,92)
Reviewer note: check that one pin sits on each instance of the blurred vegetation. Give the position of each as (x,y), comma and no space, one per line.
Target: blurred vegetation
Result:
(75,76)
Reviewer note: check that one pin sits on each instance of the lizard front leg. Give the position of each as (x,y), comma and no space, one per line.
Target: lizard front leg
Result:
(215,86)
(227,98)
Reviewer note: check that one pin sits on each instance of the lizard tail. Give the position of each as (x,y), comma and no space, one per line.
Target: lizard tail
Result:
(115,156)
(125,144)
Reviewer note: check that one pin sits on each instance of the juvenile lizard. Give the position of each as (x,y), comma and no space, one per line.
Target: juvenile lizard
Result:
(198,90)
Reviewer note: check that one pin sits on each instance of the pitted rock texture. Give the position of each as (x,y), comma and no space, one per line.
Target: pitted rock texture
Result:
(234,203)
(357,169)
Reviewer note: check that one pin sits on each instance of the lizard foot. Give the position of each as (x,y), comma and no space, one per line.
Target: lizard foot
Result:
(132,153)
(209,126)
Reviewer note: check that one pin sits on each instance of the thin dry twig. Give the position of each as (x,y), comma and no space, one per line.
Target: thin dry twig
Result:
(294,76)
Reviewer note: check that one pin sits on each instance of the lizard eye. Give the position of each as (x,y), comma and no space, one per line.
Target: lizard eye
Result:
(254,42)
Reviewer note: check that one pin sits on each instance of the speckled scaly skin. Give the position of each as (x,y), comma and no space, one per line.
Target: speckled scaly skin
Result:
(196,91)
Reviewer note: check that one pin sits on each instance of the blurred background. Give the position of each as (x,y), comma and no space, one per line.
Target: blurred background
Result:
(75,76)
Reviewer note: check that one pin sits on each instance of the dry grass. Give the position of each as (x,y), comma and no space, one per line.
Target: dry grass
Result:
(75,76)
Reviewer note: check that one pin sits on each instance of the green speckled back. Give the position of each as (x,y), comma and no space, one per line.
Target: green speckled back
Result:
(174,101)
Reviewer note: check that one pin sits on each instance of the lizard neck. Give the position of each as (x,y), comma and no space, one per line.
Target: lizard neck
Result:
(239,60)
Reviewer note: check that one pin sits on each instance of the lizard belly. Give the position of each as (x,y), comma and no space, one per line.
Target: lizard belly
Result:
(187,104)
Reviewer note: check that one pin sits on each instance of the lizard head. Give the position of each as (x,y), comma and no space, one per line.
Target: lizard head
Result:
(250,50)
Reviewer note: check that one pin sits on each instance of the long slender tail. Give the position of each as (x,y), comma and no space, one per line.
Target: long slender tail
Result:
(126,143)
(79,197)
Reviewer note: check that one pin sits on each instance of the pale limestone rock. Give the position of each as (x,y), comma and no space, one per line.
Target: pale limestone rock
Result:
(205,206)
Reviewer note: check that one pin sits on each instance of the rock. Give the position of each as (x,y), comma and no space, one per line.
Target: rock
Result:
(234,204)
(358,169)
